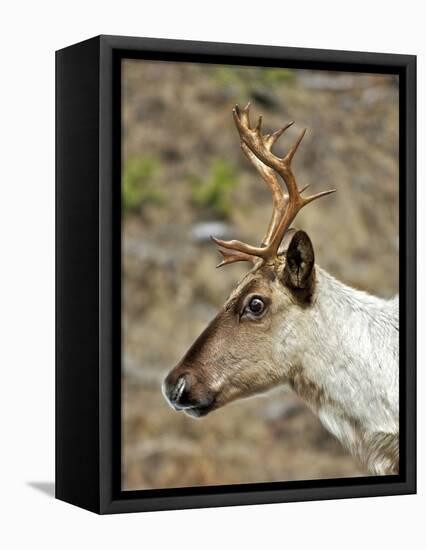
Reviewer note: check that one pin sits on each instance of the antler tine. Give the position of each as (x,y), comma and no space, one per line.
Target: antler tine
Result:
(244,114)
(289,156)
(232,256)
(272,138)
(244,248)
(307,200)
(304,188)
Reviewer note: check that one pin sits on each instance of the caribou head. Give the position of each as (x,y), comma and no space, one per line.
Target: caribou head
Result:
(253,342)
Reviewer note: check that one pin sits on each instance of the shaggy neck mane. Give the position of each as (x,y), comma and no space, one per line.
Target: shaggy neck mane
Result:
(348,372)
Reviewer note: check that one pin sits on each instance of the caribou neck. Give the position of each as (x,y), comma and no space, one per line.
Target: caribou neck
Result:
(347,368)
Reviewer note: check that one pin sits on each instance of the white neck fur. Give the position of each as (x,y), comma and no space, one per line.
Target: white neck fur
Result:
(347,368)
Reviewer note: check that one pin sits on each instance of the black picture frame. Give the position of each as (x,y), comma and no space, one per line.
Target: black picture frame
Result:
(88,307)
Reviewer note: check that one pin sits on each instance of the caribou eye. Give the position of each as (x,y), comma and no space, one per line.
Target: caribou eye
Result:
(255,307)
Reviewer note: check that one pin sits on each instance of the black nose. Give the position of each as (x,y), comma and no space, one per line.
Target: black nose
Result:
(177,392)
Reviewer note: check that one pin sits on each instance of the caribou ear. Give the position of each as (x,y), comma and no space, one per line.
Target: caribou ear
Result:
(298,272)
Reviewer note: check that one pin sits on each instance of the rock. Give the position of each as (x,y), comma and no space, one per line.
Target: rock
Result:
(201,232)
(282,409)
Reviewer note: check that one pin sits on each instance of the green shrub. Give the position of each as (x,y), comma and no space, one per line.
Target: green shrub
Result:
(248,80)
(213,195)
(272,75)
(138,188)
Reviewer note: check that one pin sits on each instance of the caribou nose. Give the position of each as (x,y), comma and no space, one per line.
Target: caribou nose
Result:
(176,391)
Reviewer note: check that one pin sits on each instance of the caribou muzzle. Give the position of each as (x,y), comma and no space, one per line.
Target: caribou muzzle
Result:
(186,393)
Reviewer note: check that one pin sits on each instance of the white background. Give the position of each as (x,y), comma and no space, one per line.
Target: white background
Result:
(29,33)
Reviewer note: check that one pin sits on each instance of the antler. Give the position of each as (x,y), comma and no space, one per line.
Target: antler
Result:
(257,147)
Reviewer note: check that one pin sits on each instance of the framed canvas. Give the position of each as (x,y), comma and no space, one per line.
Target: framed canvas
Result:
(288,374)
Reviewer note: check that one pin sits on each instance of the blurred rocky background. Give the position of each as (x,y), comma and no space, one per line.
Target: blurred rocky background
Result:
(185,178)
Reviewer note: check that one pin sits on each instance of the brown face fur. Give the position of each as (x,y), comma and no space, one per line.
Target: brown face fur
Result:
(232,358)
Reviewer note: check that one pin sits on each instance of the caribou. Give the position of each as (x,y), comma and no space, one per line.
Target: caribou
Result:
(289,322)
